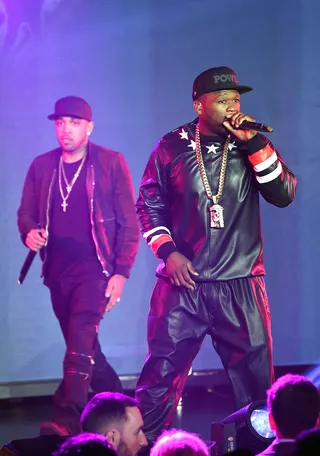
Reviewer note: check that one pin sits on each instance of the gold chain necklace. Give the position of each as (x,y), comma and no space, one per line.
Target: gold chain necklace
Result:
(70,185)
(216,210)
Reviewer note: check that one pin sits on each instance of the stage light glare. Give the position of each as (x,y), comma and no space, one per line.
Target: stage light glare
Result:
(260,423)
(255,416)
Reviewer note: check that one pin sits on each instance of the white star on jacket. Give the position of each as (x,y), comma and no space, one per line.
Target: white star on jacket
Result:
(192,144)
(183,134)
(212,148)
(232,146)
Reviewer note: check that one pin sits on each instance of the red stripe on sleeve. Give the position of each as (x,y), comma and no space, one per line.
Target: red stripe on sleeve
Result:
(261,156)
(163,238)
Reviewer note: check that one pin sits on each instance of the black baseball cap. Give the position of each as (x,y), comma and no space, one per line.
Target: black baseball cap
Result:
(71,107)
(217,78)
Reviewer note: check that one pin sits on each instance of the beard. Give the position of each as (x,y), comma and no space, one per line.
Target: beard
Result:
(67,144)
(123,449)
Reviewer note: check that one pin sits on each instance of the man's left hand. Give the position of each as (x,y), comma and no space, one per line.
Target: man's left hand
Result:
(114,290)
(235,120)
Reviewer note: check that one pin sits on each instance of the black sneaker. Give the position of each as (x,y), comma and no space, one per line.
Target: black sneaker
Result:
(51,428)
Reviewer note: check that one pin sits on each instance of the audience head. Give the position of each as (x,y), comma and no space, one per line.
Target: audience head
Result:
(308,443)
(118,418)
(179,443)
(294,405)
(87,444)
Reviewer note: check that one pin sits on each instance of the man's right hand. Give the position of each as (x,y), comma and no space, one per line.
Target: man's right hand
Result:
(36,239)
(179,268)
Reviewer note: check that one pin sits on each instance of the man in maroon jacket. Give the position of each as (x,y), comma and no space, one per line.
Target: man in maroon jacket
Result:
(77,208)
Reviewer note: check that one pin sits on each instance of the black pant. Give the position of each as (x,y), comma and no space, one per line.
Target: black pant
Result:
(234,313)
(78,300)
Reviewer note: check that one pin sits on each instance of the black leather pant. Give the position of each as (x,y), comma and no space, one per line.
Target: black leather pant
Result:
(78,302)
(234,313)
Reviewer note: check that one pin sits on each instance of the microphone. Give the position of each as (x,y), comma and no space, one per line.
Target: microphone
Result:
(28,262)
(246,125)
(26,266)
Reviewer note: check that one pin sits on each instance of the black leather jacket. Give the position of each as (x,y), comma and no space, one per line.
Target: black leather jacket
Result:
(110,198)
(172,200)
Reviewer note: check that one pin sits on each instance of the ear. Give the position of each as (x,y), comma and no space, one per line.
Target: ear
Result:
(272,422)
(90,128)
(113,437)
(197,107)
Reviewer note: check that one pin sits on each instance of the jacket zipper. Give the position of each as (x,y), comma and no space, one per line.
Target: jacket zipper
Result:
(105,272)
(47,220)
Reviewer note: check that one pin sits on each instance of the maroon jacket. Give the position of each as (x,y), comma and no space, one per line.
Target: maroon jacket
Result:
(110,198)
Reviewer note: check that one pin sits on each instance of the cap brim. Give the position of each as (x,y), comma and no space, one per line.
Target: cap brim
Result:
(239,88)
(243,89)
(57,116)
(52,117)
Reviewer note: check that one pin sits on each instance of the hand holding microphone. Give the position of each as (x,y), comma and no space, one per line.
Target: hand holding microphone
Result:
(244,127)
(35,240)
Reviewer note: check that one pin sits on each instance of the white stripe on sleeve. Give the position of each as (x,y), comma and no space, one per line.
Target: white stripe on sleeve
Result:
(154,230)
(271,176)
(265,164)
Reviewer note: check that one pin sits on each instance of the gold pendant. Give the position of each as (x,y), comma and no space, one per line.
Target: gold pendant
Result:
(217,216)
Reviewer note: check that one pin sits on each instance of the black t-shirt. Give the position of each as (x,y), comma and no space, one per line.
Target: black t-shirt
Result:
(70,239)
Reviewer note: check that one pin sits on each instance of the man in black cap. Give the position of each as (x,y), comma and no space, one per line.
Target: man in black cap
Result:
(77,208)
(198,209)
